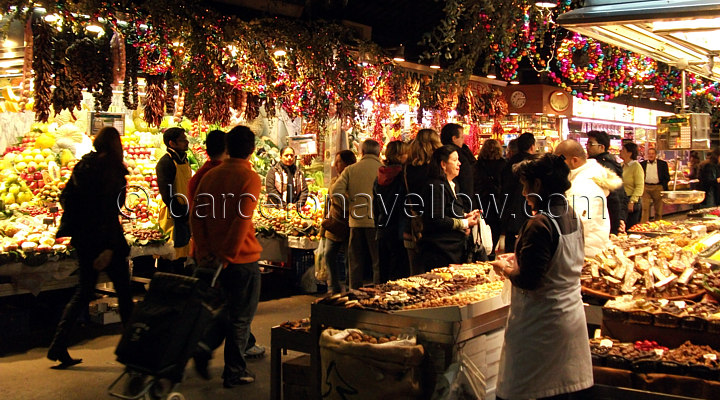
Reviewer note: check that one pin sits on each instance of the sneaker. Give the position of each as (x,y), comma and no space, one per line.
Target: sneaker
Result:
(255,352)
(240,379)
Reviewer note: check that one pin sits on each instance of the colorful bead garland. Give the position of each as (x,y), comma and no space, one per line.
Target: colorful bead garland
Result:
(565,54)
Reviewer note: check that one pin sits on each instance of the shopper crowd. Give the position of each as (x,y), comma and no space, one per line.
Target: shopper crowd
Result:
(389,214)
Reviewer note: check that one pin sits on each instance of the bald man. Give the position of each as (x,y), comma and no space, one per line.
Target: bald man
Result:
(591,183)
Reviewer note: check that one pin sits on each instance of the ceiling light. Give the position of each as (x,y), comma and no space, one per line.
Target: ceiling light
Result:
(52,18)
(279,52)
(636,95)
(93,28)
(9,43)
(649,86)
(514,82)
(551,115)
(653,99)
(491,72)
(435,64)
(668,103)
(545,4)
(399,55)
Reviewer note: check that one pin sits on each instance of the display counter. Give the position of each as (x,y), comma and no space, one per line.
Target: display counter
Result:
(476,328)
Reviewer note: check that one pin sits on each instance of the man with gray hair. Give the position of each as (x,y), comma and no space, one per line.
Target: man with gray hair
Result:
(591,184)
(356,181)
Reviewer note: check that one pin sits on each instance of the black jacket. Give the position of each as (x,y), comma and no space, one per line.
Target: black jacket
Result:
(90,203)
(441,244)
(709,172)
(617,199)
(465,178)
(663,172)
(515,212)
(488,183)
(388,199)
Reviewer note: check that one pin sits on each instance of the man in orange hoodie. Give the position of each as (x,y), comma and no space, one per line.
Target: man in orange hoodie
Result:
(222,229)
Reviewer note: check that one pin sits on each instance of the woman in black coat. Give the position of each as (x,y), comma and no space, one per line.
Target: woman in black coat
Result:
(488,186)
(92,202)
(446,221)
(388,198)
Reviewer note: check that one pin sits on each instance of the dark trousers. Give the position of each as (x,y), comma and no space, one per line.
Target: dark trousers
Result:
(633,217)
(332,251)
(393,261)
(362,252)
(118,272)
(240,284)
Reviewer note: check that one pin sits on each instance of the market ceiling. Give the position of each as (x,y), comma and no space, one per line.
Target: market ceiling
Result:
(679,32)
(391,22)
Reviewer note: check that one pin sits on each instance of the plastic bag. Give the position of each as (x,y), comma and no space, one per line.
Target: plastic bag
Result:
(321,270)
(461,381)
(485,235)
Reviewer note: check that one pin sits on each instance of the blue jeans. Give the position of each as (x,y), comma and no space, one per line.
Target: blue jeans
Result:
(332,250)
(240,284)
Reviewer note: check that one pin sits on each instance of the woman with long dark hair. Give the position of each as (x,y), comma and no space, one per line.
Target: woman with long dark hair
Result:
(488,186)
(545,352)
(447,218)
(415,178)
(285,183)
(92,202)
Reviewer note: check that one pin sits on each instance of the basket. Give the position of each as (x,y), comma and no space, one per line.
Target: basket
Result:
(644,366)
(640,317)
(702,372)
(671,367)
(618,362)
(613,314)
(598,360)
(693,323)
(713,326)
(666,320)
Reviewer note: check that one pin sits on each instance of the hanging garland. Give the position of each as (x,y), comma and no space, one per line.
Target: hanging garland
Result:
(154,104)
(68,90)
(103,92)
(42,65)
(590,47)
(170,93)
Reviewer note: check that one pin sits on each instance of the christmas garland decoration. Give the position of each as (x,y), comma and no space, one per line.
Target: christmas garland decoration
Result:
(42,65)
(590,47)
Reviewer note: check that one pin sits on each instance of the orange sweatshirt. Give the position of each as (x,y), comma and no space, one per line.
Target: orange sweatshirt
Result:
(221,215)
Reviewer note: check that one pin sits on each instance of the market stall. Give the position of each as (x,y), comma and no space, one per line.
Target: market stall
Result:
(659,328)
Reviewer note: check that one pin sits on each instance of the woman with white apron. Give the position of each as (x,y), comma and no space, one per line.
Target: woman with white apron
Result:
(546,351)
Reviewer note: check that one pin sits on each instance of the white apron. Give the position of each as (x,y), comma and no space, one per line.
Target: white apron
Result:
(546,350)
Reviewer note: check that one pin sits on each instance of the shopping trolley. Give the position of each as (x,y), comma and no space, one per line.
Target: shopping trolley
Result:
(163,333)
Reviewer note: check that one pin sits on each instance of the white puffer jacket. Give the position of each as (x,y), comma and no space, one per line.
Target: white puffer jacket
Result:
(591,184)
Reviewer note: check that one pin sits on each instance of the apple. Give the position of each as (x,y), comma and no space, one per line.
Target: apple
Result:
(31,169)
(38,176)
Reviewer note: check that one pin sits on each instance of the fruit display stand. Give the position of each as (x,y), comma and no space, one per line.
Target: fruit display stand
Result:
(48,276)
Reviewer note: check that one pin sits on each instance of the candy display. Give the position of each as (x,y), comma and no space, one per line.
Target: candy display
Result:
(455,285)
(648,356)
